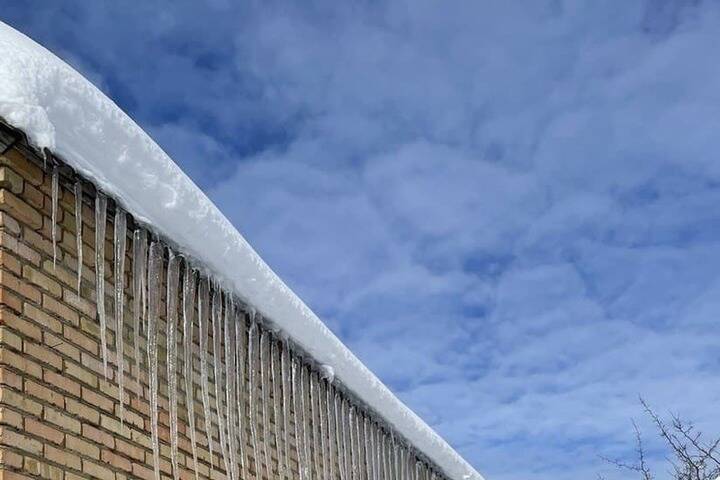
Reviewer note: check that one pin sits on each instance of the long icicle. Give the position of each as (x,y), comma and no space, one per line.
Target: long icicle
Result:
(330,406)
(230,379)
(100,218)
(339,429)
(264,363)
(252,366)
(154,284)
(188,314)
(323,418)
(314,421)
(171,302)
(240,357)
(139,280)
(345,448)
(54,192)
(78,232)
(284,373)
(219,383)
(276,404)
(119,243)
(342,437)
(203,312)
(297,407)
(304,414)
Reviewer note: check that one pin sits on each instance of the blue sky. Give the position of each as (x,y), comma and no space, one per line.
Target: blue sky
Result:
(510,211)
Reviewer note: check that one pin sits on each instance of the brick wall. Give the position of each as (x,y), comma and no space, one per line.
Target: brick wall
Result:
(59,416)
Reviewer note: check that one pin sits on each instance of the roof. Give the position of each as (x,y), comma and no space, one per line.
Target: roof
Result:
(58,109)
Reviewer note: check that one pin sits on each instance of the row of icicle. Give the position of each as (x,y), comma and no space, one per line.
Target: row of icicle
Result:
(302,417)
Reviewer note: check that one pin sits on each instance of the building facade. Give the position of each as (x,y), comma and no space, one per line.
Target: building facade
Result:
(83,395)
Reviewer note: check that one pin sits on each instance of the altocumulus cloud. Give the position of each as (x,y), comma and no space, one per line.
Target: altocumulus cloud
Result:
(508,210)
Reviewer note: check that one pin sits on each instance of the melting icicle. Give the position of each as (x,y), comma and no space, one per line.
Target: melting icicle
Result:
(252,366)
(264,363)
(327,433)
(323,419)
(240,348)
(299,443)
(100,217)
(366,448)
(154,283)
(173,279)
(78,233)
(304,421)
(329,415)
(284,358)
(188,314)
(139,261)
(203,311)
(119,244)
(353,450)
(276,404)
(343,428)
(54,197)
(217,359)
(312,379)
(337,414)
(230,379)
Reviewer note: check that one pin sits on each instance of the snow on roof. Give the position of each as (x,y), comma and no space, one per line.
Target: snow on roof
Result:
(59,109)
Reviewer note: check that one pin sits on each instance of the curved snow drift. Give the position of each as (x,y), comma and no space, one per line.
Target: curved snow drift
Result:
(59,109)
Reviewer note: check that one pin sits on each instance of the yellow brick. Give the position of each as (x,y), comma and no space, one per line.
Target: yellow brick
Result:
(63,457)
(62,420)
(8,223)
(42,281)
(79,372)
(83,411)
(10,459)
(10,339)
(22,166)
(20,325)
(43,318)
(60,309)
(11,417)
(11,180)
(20,362)
(96,470)
(43,355)
(18,440)
(83,447)
(19,209)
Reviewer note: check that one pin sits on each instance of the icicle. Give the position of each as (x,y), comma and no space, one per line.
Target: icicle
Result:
(203,311)
(154,284)
(252,365)
(173,279)
(297,406)
(312,379)
(304,415)
(339,431)
(188,309)
(330,415)
(230,379)
(54,197)
(276,405)
(139,261)
(284,358)
(323,418)
(219,384)
(78,233)
(366,448)
(119,244)
(264,363)
(343,428)
(100,218)
(240,357)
